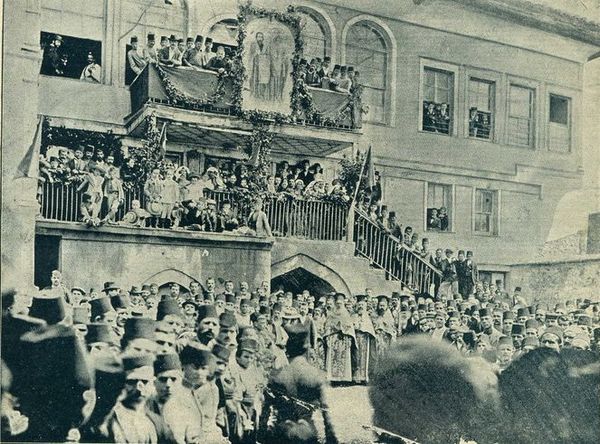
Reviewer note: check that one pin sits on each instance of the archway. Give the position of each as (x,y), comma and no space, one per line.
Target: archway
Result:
(302,270)
(299,279)
(165,277)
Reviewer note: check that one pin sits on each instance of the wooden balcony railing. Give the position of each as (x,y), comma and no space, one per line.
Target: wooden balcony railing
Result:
(388,253)
(307,219)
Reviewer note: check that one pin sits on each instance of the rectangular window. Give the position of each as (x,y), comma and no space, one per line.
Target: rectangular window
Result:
(439,207)
(559,130)
(481,108)
(438,100)
(71,57)
(486,211)
(521,116)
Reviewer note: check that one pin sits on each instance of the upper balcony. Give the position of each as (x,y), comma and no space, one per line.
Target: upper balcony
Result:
(200,108)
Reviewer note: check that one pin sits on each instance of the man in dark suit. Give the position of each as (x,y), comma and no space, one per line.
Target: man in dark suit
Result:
(51,60)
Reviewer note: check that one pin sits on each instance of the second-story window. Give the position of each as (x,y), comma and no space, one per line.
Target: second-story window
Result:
(521,102)
(481,109)
(438,100)
(439,207)
(367,52)
(317,42)
(559,130)
(72,57)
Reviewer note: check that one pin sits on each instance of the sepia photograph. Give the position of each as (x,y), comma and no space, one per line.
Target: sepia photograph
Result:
(300,221)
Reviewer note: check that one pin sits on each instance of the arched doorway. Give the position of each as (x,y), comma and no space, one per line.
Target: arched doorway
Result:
(300,279)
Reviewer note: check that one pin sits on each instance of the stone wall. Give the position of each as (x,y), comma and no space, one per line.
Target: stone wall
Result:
(559,280)
(88,258)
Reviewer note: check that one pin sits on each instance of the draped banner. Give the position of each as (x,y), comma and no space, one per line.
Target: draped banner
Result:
(195,85)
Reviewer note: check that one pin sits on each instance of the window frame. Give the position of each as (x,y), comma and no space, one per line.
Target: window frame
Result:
(570,122)
(496,211)
(535,119)
(451,207)
(495,82)
(439,66)
(387,100)
(325,29)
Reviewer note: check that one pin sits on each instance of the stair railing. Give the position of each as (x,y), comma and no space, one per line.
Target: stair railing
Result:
(388,253)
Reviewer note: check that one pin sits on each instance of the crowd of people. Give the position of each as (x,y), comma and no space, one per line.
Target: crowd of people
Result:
(175,197)
(238,364)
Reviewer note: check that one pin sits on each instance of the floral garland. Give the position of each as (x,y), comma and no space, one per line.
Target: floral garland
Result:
(176,97)
(150,155)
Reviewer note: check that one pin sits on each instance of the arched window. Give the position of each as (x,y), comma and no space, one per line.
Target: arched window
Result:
(317,39)
(367,52)
(224,33)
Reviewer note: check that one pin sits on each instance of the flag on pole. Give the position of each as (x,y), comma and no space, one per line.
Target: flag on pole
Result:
(28,165)
(370,170)
(163,141)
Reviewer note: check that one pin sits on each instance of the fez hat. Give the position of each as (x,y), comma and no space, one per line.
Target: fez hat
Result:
(198,38)
(137,360)
(531,323)
(551,316)
(461,251)
(245,301)
(195,353)
(327,59)
(227,320)
(163,38)
(51,310)
(165,362)
(383,297)
(247,333)
(136,328)
(208,40)
(392,214)
(150,37)
(168,307)
(207,311)
(109,286)
(146,287)
(485,312)
(80,315)
(518,329)
(344,69)
(172,38)
(134,39)
(101,306)
(508,315)
(361,297)
(180,40)
(264,311)
(189,39)
(219,297)
(351,69)
(221,351)
(277,307)
(522,312)
(584,319)
(249,344)
(230,298)
(298,335)
(120,301)
(517,288)
(99,332)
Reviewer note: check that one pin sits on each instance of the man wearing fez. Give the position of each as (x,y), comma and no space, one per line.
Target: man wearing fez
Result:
(101,340)
(122,306)
(168,374)
(167,55)
(486,326)
(129,421)
(52,310)
(228,330)
(183,413)
(137,63)
(193,56)
(365,339)
(52,55)
(208,325)
(285,420)
(103,311)
(149,53)
(169,312)
(139,336)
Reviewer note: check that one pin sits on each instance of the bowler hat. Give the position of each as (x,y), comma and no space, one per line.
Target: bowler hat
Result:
(51,310)
(172,38)
(108,286)
(136,290)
